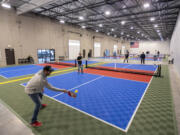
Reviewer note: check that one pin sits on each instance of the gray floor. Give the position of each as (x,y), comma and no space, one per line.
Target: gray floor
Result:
(10,124)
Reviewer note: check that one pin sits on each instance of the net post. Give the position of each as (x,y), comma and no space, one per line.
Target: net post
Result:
(75,63)
(86,63)
(160,70)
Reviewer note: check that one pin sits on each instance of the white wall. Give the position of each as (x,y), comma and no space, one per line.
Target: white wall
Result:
(151,46)
(175,45)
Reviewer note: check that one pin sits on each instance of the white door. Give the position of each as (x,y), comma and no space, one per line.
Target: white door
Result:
(115,49)
(97,49)
(123,49)
(74,49)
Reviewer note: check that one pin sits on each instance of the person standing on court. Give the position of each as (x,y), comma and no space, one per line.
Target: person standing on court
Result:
(35,89)
(142,56)
(80,65)
(126,57)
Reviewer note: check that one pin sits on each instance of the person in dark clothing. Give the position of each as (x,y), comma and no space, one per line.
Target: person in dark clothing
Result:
(158,53)
(143,56)
(126,57)
(80,65)
(89,55)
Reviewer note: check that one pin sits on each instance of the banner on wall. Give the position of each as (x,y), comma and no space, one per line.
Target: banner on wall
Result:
(134,44)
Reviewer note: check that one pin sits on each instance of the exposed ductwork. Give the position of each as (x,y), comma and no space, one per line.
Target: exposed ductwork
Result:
(32,4)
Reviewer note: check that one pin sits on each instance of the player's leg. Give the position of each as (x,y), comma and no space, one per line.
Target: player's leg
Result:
(81,68)
(36,99)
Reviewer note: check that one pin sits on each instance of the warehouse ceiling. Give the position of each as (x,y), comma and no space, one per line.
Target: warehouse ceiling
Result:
(127,19)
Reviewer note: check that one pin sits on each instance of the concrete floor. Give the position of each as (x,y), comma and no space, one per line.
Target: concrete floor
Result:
(10,124)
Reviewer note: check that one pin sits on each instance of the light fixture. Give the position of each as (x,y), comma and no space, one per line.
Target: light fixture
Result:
(155,25)
(124,6)
(100,25)
(83,27)
(122,33)
(142,34)
(62,21)
(152,19)
(146,5)
(138,32)
(6,5)
(97,30)
(107,13)
(158,31)
(112,29)
(123,22)
(81,18)
(132,28)
(127,35)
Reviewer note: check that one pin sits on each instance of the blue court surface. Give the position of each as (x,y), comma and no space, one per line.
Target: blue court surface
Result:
(113,101)
(149,59)
(131,66)
(83,61)
(16,71)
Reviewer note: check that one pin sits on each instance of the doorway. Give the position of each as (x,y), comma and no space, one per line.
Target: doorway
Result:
(84,53)
(10,57)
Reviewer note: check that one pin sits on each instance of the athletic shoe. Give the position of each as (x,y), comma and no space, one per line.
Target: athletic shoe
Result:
(36,124)
(43,106)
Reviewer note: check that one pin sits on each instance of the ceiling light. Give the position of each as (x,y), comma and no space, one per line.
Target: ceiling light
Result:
(112,29)
(81,18)
(100,25)
(158,31)
(62,21)
(146,5)
(132,28)
(142,35)
(83,27)
(138,32)
(127,35)
(123,22)
(107,13)
(6,5)
(97,30)
(152,19)
(122,33)
(155,25)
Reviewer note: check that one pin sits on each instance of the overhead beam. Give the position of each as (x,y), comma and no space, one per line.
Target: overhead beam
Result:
(32,4)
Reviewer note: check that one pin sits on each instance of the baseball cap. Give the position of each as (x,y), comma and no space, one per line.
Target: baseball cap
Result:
(48,68)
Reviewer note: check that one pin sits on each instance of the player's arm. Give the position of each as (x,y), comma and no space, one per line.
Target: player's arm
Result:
(49,86)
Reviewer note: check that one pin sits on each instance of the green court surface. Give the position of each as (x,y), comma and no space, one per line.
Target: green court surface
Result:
(155,115)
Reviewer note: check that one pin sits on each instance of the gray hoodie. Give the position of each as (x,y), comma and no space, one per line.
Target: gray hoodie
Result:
(37,84)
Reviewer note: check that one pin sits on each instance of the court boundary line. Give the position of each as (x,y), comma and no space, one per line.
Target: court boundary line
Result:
(137,107)
(21,69)
(4,77)
(119,78)
(20,79)
(99,77)
(130,121)
(26,74)
(86,113)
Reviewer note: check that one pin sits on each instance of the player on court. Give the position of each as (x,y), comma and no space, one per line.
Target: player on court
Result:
(80,65)
(35,89)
